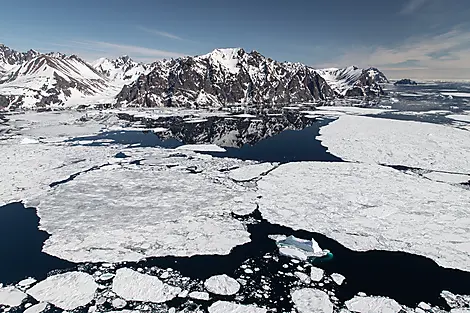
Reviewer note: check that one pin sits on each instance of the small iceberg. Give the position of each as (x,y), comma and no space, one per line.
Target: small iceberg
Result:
(302,249)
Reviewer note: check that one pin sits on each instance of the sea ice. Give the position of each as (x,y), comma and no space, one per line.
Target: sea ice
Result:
(447,177)
(250,172)
(133,286)
(316,274)
(395,142)
(27,282)
(67,291)
(202,148)
(37,308)
(373,305)
(10,296)
(459,117)
(300,248)
(230,307)
(336,199)
(199,295)
(118,303)
(338,278)
(311,301)
(27,141)
(222,285)
(133,213)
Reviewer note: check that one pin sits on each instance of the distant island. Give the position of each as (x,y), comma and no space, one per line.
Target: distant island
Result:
(405,81)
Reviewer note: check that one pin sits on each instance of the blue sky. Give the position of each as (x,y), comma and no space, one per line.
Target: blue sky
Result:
(427,39)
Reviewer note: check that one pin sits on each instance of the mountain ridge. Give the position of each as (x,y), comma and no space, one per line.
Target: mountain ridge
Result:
(225,76)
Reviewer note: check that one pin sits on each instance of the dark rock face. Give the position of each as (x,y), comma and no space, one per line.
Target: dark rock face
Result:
(12,57)
(225,77)
(405,81)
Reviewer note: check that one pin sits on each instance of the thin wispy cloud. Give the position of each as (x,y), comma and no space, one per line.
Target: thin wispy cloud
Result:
(413,5)
(159,33)
(90,50)
(425,57)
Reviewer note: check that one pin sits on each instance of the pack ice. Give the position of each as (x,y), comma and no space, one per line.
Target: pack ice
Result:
(366,207)
(394,142)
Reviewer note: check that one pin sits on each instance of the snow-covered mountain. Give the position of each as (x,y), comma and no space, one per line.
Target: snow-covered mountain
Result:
(10,58)
(228,76)
(51,80)
(122,70)
(353,81)
(32,80)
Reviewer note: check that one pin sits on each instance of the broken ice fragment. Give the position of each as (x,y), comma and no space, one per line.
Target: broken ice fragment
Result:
(302,249)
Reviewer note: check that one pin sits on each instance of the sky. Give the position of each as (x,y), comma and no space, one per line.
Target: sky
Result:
(419,39)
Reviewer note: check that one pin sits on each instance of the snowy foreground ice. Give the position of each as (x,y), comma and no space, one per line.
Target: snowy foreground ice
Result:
(394,142)
(312,301)
(67,291)
(366,207)
(161,202)
(132,212)
(134,286)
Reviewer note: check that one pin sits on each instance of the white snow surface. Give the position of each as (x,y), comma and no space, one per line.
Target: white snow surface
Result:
(373,305)
(199,295)
(459,117)
(67,291)
(447,177)
(37,308)
(316,274)
(161,211)
(134,286)
(250,172)
(222,285)
(12,297)
(400,213)
(414,144)
(230,307)
(457,94)
(338,278)
(311,301)
(201,148)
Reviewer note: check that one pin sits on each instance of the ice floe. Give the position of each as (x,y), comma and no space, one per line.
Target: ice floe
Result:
(37,308)
(202,148)
(134,286)
(459,117)
(394,142)
(158,211)
(119,303)
(199,295)
(67,291)
(373,305)
(302,249)
(222,285)
(338,278)
(457,94)
(12,297)
(316,274)
(310,300)
(250,172)
(230,307)
(27,282)
(366,207)
(447,177)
